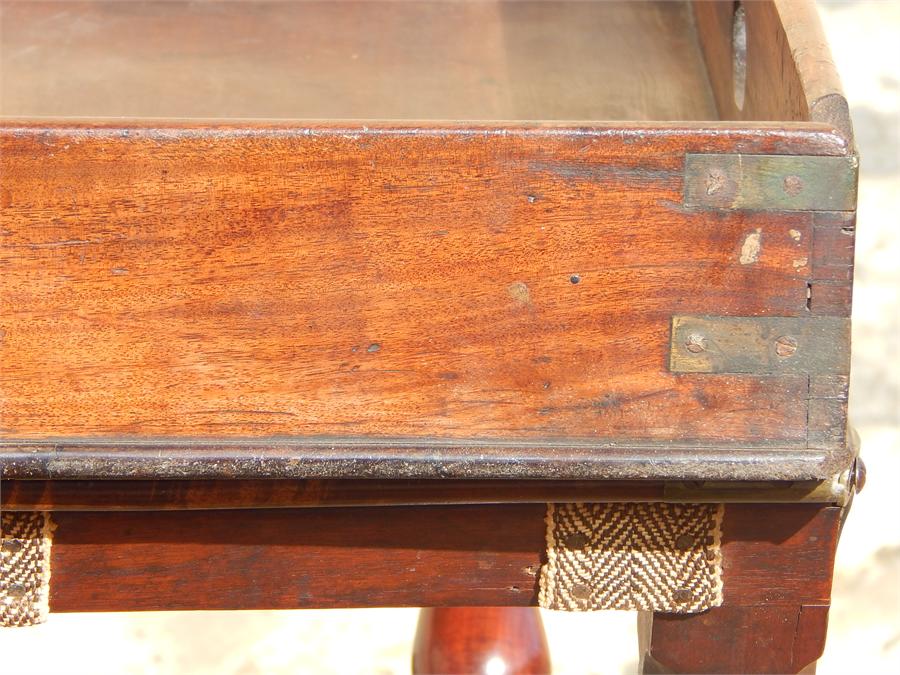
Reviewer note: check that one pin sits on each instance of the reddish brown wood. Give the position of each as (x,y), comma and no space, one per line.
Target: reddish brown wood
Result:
(507,640)
(779,553)
(142,495)
(372,282)
(758,639)
(296,558)
(387,556)
(777,570)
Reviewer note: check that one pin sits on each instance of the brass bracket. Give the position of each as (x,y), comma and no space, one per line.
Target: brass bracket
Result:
(760,345)
(771,182)
(832,491)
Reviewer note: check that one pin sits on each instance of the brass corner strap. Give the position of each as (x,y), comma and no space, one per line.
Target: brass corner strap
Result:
(771,182)
(25,539)
(643,556)
(760,345)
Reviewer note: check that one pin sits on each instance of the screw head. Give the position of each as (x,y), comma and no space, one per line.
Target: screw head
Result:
(785,346)
(695,343)
(715,181)
(792,185)
(859,474)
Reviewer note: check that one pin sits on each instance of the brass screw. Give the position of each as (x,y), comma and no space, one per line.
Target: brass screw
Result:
(859,474)
(715,181)
(792,185)
(695,343)
(785,346)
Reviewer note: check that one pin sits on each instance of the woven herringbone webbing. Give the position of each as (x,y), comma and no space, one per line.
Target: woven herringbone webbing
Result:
(649,556)
(24,567)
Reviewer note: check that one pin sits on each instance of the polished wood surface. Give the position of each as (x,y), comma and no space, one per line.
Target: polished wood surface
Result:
(353,60)
(178,495)
(475,291)
(297,558)
(740,640)
(367,282)
(777,571)
(481,641)
(270,493)
(429,556)
(399,300)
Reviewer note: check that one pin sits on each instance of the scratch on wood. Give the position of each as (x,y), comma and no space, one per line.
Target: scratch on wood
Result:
(67,242)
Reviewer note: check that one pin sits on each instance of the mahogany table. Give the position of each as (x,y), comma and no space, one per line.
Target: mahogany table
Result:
(466,306)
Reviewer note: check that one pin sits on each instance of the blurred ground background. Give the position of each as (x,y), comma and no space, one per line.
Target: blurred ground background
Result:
(864,633)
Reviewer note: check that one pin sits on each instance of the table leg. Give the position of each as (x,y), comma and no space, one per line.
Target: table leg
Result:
(481,640)
(777,567)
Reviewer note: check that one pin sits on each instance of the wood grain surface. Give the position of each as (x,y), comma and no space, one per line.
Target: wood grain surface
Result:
(353,60)
(272,281)
(779,554)
(788,69)
(739,640)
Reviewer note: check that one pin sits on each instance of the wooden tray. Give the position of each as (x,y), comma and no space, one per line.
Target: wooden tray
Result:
(423,240)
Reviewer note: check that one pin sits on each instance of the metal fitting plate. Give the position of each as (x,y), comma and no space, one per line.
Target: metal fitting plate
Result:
(762,345)
(771,182)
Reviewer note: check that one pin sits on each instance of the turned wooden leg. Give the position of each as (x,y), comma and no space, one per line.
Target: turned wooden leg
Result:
(481,641)
(777,564)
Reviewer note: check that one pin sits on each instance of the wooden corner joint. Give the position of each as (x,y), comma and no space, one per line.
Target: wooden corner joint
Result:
(814,347)
(771,182)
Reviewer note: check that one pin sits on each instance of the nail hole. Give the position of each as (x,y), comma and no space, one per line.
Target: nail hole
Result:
(575,278)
